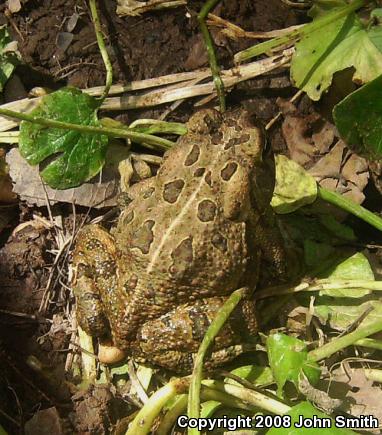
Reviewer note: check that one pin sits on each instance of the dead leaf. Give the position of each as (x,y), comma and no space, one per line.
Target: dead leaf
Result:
(45,422)
(312,142)
(376,173)
(101,191)
(197,56)
(342,171)
(295,130)
(6,194)
(359,395)
(133,7)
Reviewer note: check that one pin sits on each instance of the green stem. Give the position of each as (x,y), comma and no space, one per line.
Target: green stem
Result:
(370,343)
(347,340)
(319,285)
(212,332)
(215,69)
(253,397)
(102,48)
(317,24)
(141,425)
(169,419)
(374,375)
(209,391)
(154,141)
(351,207)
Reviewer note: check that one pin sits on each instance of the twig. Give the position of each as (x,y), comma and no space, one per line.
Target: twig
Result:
(278,116)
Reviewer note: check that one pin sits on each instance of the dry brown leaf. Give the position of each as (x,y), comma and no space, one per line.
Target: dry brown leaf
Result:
(312,143)
(44,422)
(6,193)
(102,191)
(198,54)
(295,130)
(342,171)
(134,7)
(358,394)
(376,173)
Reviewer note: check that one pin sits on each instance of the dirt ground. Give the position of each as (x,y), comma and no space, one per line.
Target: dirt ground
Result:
(34,343)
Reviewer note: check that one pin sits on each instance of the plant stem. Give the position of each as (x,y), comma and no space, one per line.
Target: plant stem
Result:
(252,397)
(212,332)
(350,206)
(347,340)
(154,142)
(370,343)
(142,422)
(102,48)
(318,285)
(317,24)
(374,375)
(215,70)
(169,419)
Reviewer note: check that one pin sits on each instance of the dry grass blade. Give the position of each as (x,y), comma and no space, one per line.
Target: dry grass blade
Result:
(234,32)
(168,94)
(230,78)
(133,7)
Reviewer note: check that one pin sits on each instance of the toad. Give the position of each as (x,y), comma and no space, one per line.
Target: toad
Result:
(187,238)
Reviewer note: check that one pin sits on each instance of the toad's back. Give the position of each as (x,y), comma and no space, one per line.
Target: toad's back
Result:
(186,231)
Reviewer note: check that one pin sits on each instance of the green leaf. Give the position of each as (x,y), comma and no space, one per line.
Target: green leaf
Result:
(9,57)
(342,307)
(358,118)
(340,313)
(343,43)
(287,358)
(306,411)
(208,408)
(354,267)
(294,186)
(338,229)
(69,157)
(315,252)
(322,7)
(257,375)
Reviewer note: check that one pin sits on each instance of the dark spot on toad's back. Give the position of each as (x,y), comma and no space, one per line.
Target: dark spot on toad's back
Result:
(172,191)
(229,169)
(192,156)
(206,210)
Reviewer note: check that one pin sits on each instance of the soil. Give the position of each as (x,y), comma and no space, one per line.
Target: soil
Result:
(142,47)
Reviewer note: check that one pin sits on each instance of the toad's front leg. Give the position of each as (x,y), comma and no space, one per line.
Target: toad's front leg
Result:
(95,283)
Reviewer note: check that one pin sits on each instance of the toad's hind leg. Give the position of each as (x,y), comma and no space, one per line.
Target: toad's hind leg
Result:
(173,339)
(95,279)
